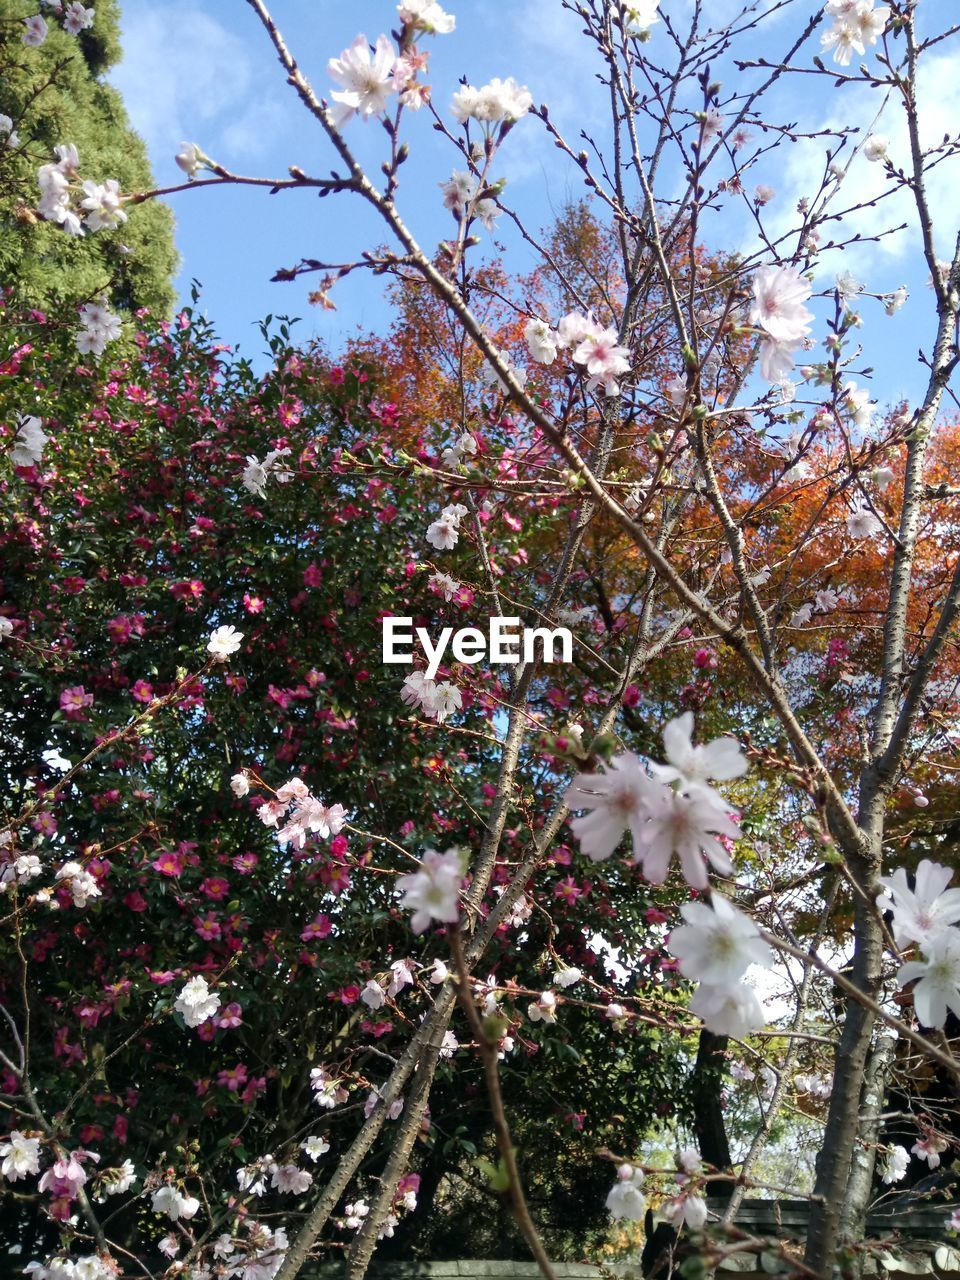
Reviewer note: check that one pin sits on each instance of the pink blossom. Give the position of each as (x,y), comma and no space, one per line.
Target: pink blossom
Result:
(74,701)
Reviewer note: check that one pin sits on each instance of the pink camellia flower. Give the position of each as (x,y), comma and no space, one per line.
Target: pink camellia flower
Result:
(319,927)
(231,1016)
(142,691)
(189,591)
(215,887)
(169,863)
(73,702)
(232,1078)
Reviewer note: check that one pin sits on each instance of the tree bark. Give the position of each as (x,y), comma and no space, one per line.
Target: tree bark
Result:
(843,1118)
(853,1220)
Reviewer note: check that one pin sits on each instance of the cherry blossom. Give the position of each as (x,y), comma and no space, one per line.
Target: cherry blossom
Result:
(896,1164)
(314,1147)
(102,200)
(372,995)
(603,358)
(626,1197)
(288,1178)
(720,760)
(116,1181)
(492,378)
(224,642)
(441,700)
(167,1199)
(499,100)
(862,523)
(100,326)
(922,913)
(779,294)
(689,1210)
(20,1156)
(685,825)
(28,443)
(77,18)
(638,16)
(196,1002)
(7,131)
(856,24)
(35,31)
(190,159)
(426,15)
(541,341)
(938,985)
(444,533)
(366,81)
(731,1010)
(432,893)
(618,796)
(82,885)
(567,976)
(718,943)
(930,1147)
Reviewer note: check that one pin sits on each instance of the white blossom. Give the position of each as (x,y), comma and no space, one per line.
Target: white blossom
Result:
(718,943)
(77,18)
(433,892)
(366,81)
(938,988)
(314,1147)
(28,443)
(196,1002)
(173,1203)
(639,16)
(35,31)
(20,1156)
(541,341)
(223,642)
(190,159)
(895,1165)
(426,15)
(500,100)
(728,1010)
(626,1197)
(921,913)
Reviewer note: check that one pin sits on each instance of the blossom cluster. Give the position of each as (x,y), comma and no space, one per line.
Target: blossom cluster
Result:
(856,24)
(594,349)
(717,945)
(670,810)
(926,916)
(301,812)
(98,205)
(76,18)
(99,326)
(444,532)
(626,1200)
(438,699)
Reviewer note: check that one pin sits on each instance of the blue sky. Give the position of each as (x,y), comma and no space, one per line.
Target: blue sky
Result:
(205,72)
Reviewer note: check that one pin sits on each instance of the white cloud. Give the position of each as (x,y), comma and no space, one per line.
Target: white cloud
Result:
(186,77)
(939,108)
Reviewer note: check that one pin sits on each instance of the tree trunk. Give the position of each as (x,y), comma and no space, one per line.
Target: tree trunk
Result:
(843,1118)
(853,1221)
